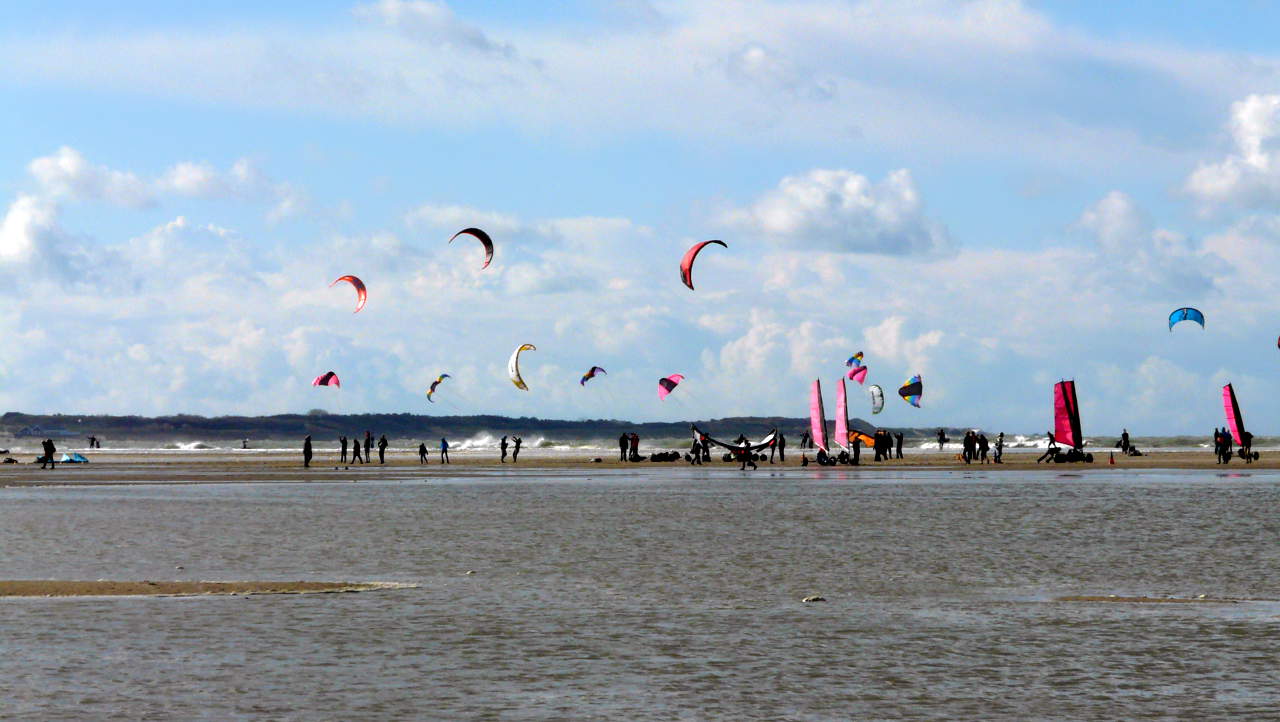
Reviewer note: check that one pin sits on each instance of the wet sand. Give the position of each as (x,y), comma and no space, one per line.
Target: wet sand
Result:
(105,588)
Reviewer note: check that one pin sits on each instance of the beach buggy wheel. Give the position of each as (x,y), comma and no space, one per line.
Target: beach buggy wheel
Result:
(1088,458)
(1255,456)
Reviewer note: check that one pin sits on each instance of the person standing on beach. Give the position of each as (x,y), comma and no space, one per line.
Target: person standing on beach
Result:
(355,452)
(1124,441)
(695,453)
(898,443)
(422,453)
(306,452)
(635,447)
(343,441)
(503,445)
(382,449)
(804,440)
(999,455)
(515,449)
(983,447)
(622,447)
(942,439)
(368,445)
(782,448)
(444,450)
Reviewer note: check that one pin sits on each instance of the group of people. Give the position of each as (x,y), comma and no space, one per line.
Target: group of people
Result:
(94,443)
(884,443)
(367,457)
(1224,445)
(975,446)
(516,442)
(629,447)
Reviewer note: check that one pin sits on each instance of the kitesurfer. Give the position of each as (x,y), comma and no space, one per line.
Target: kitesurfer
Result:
(422,453)
(898,443)
(622,447)
(515,449)
(444,450)
(382,449)
(355,452)
(503,445)
(306,452)
(343,441)
(368,446)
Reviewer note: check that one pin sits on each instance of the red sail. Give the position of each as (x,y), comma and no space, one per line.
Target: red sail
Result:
(1066,415)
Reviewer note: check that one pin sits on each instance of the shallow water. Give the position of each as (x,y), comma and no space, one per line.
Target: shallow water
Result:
(666,593)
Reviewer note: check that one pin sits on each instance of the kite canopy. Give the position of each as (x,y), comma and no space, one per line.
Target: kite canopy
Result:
(912,390)
(591,374)
(857,373)
(1186,314)
(877,398)
(362,294)
(854,360)
(668,384)
(686,263)
(434,384)
(484,239)
(752,446)
(513,365)
(328,378)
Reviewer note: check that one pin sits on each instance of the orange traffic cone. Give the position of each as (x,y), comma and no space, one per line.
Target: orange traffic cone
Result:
(1113,458)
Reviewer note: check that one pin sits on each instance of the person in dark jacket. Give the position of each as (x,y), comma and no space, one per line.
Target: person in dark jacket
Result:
(782,449)
(306,452)
(623,443)
(382,449)
(368,446)
(516,441)
(898,443)
(343,441)
(422,453)
(444,451)
(355,452)
(503,445)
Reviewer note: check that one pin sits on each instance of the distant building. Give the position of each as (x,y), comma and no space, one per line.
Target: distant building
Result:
(46,433)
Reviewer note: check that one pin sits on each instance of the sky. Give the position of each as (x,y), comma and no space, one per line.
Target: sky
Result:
(994,195)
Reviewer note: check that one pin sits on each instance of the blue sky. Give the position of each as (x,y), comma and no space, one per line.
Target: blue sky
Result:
(993,194)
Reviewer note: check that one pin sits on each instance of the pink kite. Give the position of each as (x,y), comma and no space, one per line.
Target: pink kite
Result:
(686,263)
(1066,415)
(668,384)
(328,378)
(817,416)
(858,373)
(362,295)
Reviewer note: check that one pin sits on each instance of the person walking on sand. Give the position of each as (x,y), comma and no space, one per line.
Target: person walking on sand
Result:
(306,452)
(503,445)
(49,451)
(422,453)
(744,454)
(444,450)
(516,441)
(355,452)
(382,449)
(343,441)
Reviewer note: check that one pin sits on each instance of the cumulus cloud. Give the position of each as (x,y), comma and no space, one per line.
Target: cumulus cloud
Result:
(244,180)
(840,210)
(432,22)
(67,174)
(1250,176)
(457,217)
(887,340)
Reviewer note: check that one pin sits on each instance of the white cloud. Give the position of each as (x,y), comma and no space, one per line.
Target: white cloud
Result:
(458,217)
(244,181)
(886,340)
(431,22)
(67,174)
(1250,176)
(839,210)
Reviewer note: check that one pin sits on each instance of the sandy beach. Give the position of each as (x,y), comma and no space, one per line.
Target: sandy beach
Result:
(221,466)
(107,588)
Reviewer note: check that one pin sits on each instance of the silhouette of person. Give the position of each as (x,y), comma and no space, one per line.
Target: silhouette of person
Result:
(635,447)
(503,445)
(306,452)
(368,445)
(744,453)
(382,449)
(942,439)
(444,450)
(515,449)
(695,453)
(983,447)
(343,440)
(898,442)
(623,443)
(49,451)
(782,448)
(999,455)
(1124,441)
(422,453)
(355,452)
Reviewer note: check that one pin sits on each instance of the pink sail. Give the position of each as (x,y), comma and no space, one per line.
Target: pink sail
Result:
(1066,414)
(842,417)
(817,416)
(1235,421)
